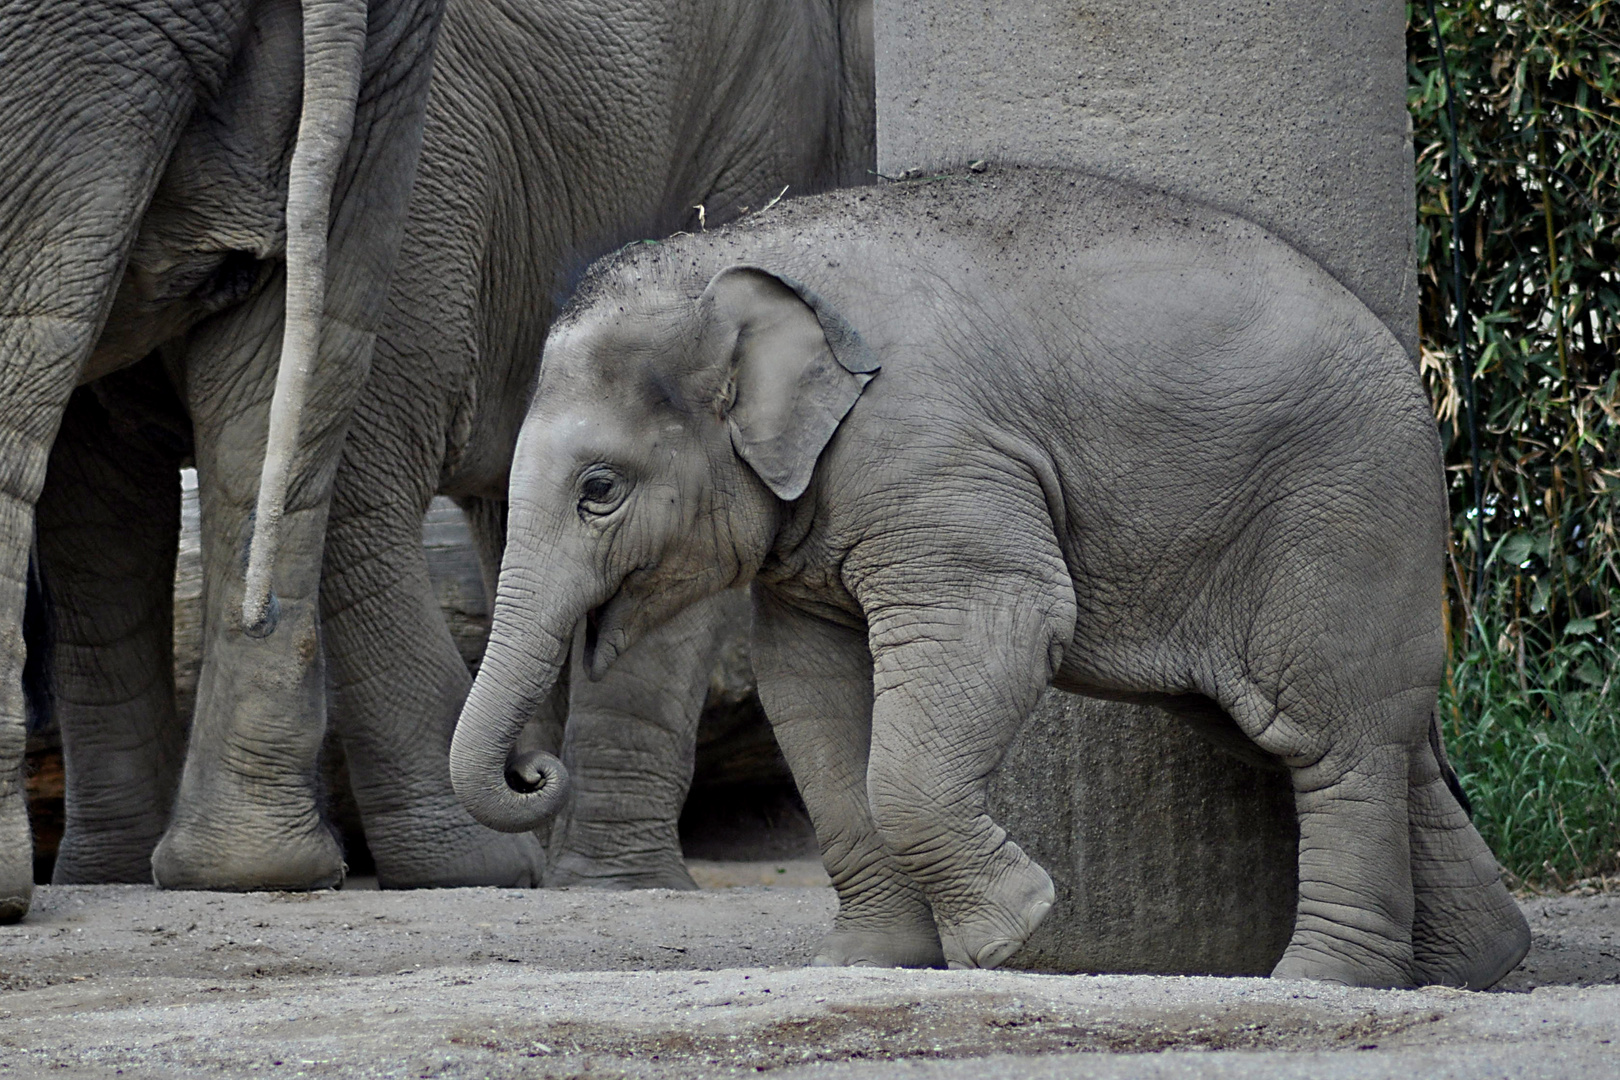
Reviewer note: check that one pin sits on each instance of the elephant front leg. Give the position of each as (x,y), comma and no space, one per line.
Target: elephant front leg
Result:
(108,523)
(629,748)
(398,685)
(815,681)
(953,683)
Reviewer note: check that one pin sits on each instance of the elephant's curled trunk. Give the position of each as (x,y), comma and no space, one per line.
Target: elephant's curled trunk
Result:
(334,56)
(506,791)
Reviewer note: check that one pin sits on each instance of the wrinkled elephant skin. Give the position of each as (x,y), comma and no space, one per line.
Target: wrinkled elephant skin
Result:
(976,434)
(145,205)
(555,132)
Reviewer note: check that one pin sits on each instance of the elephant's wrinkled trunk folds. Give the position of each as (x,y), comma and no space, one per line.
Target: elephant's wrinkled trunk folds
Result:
(334,54)
(511,793)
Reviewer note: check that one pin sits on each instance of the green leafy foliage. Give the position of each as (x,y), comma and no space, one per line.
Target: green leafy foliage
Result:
(1535,738)
(1531,701)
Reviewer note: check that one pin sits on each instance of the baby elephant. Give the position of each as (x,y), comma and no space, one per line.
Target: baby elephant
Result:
(973,435)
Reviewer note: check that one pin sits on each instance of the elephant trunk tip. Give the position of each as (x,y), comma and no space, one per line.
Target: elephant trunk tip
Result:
(531,791)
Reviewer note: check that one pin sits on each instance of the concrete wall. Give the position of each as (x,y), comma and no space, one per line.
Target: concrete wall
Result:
(1167,855)
(1291,113)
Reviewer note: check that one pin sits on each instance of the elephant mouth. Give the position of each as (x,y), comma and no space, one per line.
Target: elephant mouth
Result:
(604,638)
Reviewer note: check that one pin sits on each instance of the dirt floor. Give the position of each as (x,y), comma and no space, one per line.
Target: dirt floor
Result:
(126,980)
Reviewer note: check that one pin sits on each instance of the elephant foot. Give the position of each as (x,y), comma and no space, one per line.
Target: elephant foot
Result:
(1467,936)
(1003,918)
(105,856)
(16,858)
(571,869)
(1466,929)
(450,850)
(1501,943)
(899,947)
(247,856)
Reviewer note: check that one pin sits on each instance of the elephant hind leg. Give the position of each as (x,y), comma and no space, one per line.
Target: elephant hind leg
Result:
(1354,922)
(398,683)
(1466,929)
(1349,767)
(108,523)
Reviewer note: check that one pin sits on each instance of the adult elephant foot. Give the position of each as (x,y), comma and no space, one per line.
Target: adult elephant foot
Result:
(245,851)
(660,870)
(444,848)
(16,854)
(247,815)
(108,855)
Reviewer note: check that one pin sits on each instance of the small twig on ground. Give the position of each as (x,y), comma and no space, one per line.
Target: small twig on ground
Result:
(776,200)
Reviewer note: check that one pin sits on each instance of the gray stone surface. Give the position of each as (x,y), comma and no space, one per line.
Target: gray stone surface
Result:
(1167,855)
(1291,113)
(485,983)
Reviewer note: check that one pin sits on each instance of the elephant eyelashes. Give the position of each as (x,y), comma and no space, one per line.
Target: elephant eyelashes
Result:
(600,492)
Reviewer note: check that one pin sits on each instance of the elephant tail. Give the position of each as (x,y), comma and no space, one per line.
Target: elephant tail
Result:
(1446,771)
(38,693)
(334,55)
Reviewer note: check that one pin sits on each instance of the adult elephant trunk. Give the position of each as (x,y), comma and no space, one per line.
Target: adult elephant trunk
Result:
(334,55)
(529,642)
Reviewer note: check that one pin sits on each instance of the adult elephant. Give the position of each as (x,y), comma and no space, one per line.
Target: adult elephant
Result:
(183,174)
(555,132)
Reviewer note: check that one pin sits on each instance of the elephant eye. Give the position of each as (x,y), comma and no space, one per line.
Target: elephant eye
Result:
(600,492)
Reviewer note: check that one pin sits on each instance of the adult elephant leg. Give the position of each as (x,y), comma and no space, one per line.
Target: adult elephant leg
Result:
(1466,929)
(815,681)
(31,404)
(93,105)
(247,814)
(108,523)
(629,747)
(398,681)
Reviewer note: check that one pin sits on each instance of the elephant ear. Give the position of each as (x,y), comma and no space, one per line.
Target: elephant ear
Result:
(796,370)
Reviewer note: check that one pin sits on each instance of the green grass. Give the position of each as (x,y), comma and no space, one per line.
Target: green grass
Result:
(1534,734)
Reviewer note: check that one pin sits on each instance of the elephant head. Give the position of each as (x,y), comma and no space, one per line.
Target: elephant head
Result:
(663,442)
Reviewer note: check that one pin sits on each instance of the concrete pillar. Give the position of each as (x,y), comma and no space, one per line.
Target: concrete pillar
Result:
(1291,113)
(1168,856)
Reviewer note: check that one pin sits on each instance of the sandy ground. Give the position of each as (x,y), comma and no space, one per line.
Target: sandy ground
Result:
(126,980)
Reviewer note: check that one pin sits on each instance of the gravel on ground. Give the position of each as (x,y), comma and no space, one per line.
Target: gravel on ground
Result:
(131,981)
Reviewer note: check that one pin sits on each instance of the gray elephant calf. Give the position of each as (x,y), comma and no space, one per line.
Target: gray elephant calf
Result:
(556,131)
(974,436)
